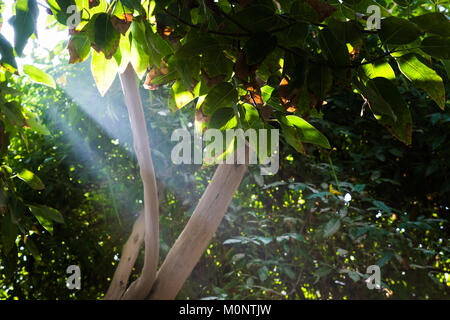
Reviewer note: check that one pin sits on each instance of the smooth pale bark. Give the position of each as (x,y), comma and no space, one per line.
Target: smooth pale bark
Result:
(128,258)
(198,232)
(140,288)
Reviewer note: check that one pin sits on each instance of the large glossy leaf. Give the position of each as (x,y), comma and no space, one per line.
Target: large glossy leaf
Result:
(181,95)
(433,22)
(79,47)
(437,47)
(13,113)
(380,108)
(307,132)
(423,77)
(46,216)
(158,47)
(102,34)
(8,61)
(292,136)
(398,31)
(378,69)
(401,125)
(31,179)
(346,31)
(138,57)
(220,96)
(223,119)
(46,212)
(39,76)
(104,71)
(334,50)
(24,23)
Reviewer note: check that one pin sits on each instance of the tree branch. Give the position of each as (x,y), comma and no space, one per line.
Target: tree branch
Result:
(129,254)
(198,232)
(140,288)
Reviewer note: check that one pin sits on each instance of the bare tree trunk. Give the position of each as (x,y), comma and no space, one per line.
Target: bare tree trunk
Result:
(140,288)
(198,232)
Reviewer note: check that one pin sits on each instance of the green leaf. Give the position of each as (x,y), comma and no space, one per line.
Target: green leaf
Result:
(159,47)
(294,36)
(39,76)
(292,136)
(79,47)
(446,64)
(104,71)
(8,233)
(378,69)
(263,273)
(320,81)
(31,179)
(437,47)
(220,96)
(423,77)
(59,9)
(223,119)
(46,216)
(354,276)
(387,255)
(333,49)
(331,227)
(433,22)
(400,126)
(258,47)
(251,115)
(288,271)
(403,3)
(181,95)
(257,17)
(214,62)
(398,31)
(8,61)
(264,240)
(188,67)
(322,272)
(307,132)
(35,124)
(138,57)
(46,213)
(346,31)
(135,5)
(24,23)
(102,34)
(380,108)
(32,248)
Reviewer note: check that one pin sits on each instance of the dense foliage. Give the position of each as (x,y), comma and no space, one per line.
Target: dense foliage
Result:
(70,185)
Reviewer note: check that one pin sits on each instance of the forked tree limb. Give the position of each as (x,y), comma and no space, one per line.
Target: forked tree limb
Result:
(140,288)
(197,234)
(130,252)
